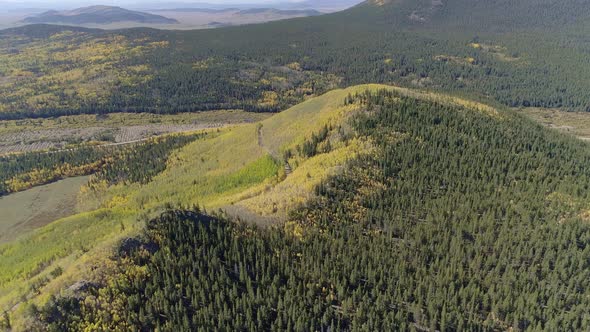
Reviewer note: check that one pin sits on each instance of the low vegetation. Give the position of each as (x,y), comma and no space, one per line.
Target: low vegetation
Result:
(573,123)
(118,120)
(68,132)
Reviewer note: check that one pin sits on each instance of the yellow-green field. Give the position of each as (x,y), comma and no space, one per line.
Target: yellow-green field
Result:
(238,168)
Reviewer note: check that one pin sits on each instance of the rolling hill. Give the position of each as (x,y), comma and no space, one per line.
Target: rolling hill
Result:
(97,15)
(407,182)
(234,167)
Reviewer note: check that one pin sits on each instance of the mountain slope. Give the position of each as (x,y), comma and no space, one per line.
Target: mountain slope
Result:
(500,15)
(458,218)
(240,170)
(98,15)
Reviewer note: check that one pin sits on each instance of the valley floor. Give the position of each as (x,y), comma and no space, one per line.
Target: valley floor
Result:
(573,123)
(25,211)
(119,128)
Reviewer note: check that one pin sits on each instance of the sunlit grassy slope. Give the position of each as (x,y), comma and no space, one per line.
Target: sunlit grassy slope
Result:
(239,169)
(245,161)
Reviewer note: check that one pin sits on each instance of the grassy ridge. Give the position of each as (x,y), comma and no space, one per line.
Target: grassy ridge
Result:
(236,165)
(206,172)
(457,220)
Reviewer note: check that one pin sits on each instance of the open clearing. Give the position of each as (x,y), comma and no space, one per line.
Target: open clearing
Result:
(69,131)
(37,207)
(37,140)
(573,123)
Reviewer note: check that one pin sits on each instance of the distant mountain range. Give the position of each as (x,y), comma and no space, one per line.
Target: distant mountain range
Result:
(324,5)
(321,5)
(98,15)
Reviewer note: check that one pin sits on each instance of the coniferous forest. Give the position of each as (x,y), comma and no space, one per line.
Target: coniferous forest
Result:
(529,53)
(460,220)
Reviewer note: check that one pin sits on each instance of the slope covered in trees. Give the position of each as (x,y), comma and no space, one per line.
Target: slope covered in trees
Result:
(523,53)
(460,219)
(490,16)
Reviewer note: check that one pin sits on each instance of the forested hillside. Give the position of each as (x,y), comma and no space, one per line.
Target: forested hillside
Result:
(422,204)
(525,53)
(461,218)
(488,16)
(239,168)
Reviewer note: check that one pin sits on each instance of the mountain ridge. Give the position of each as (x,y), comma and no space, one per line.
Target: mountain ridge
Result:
(97,15)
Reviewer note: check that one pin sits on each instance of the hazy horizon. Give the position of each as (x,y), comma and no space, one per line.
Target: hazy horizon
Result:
(68,4)
(15,11)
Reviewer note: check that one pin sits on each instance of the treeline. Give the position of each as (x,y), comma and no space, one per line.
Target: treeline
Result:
(461,220)
(141,163)
(111,164)
(23,171)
